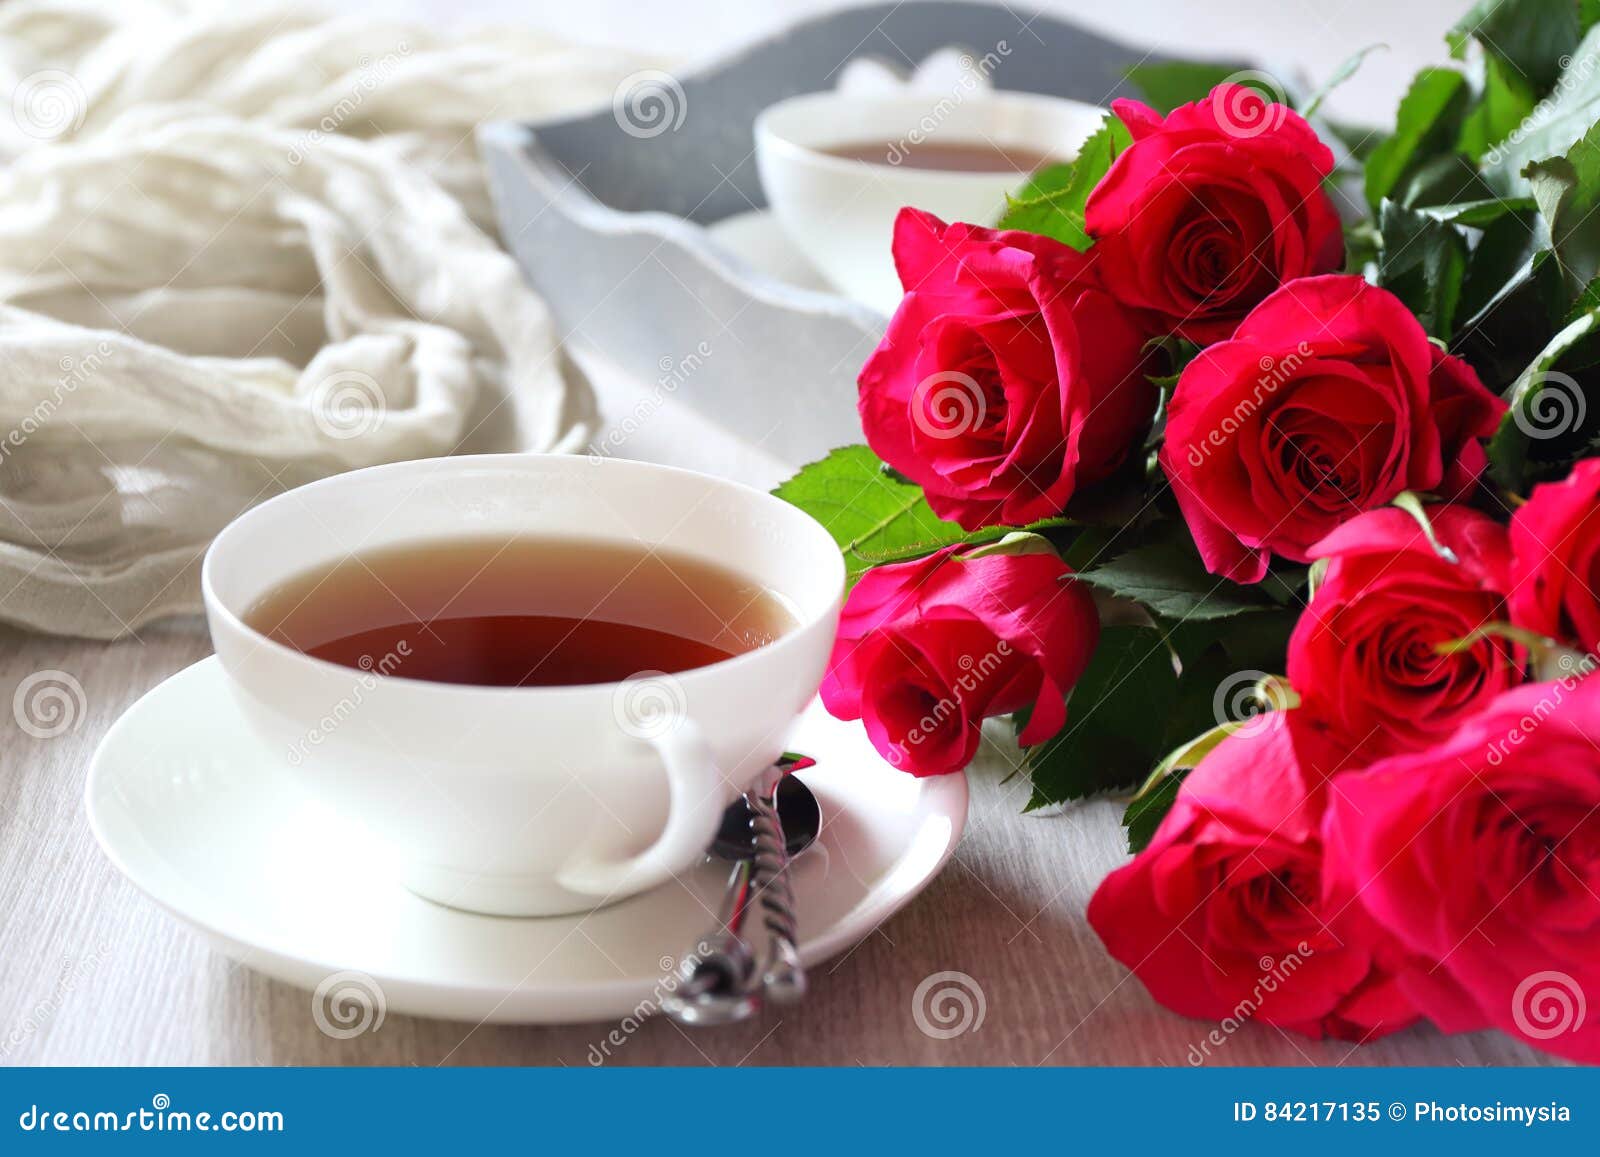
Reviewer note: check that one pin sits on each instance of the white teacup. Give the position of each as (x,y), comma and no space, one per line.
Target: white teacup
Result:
(840,211)
(527,801)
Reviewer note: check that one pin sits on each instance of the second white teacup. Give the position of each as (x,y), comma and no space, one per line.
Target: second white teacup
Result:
(840,211)
(526,800)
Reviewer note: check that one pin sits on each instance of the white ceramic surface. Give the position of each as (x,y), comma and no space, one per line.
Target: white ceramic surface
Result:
(526,800)
(197,813)
(840,212)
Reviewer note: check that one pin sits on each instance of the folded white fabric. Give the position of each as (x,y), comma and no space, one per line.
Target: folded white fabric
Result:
(199,309)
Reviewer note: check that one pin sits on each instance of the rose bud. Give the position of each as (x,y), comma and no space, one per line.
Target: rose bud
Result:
(1482,855)
(1368,657)
(927,650)
(1555,559)
(1327,401)
(1225,914)
(1211,209)
(1008,377)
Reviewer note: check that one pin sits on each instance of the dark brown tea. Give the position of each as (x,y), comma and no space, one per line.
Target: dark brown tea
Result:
(523,612)
(945,156)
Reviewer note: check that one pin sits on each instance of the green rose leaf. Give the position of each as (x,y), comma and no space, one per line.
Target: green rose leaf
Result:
(1108,742)
(1053,200)
(1170,579)
(1428,122)
(877,515)
(1144,815)
(1529,38)
(873,515)
(1546,405)
(1423,262)
(1567,191)
(1557,122)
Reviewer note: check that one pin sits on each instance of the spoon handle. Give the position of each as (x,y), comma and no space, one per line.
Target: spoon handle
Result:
(782,976)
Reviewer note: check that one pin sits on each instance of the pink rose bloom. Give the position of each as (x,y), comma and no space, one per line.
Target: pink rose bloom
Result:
(1555,570)
(1328,400)
(927,650)
(1365,657)
(1482,856)
(1227,916)
(1008,377)
(1212,208)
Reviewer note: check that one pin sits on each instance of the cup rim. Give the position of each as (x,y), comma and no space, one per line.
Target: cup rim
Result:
(773,137)
(218,608)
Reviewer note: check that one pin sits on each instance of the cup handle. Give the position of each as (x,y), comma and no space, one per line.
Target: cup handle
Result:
(695,806)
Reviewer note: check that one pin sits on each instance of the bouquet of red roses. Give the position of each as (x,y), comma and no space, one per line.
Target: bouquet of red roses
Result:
(1278,519)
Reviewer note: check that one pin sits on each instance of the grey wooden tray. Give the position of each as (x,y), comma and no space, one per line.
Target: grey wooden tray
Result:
(608,216)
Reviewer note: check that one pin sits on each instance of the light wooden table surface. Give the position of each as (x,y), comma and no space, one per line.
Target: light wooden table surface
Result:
(91,972)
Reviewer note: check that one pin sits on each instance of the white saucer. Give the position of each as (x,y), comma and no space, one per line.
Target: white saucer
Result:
(188,807)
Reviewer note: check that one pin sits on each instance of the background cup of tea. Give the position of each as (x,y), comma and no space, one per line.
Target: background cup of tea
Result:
(525,800)
(838,166)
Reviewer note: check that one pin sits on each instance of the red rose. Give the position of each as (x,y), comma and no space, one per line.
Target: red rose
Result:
(1365,656)
(927,650)
(1482,855)
(1225,915)
(1555,559)
(1008,377)
(1211,209)
(1328,400)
